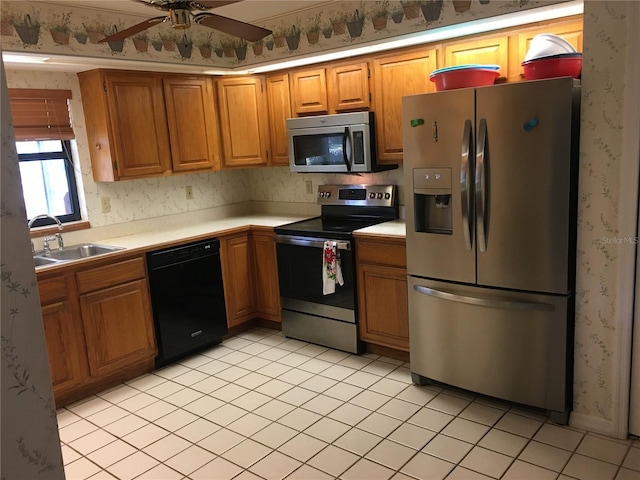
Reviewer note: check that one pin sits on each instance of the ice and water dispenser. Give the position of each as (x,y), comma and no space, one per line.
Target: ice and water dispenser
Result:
(432,200)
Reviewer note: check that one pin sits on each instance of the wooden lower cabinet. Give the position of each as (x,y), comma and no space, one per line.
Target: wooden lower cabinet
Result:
(63,334)
(118,327)
(98,326)
(266,276)
(237,273)
(382,291)
(250,275)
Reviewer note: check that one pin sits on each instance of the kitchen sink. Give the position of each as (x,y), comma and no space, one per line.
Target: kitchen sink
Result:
(73,252)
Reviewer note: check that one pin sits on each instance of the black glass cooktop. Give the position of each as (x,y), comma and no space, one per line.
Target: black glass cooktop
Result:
(335,227)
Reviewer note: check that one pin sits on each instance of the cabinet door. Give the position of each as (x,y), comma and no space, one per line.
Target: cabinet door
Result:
(279,105)
(266,278)
(493,50)
(243,121)
(118,327)
(310,91)
(140,138)
(192,123)
(349,87)
(382,296)
(236,258)
(394,77)
(67,359)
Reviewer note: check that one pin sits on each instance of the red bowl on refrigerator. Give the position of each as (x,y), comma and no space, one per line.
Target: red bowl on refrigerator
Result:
(463,78)
(556,66)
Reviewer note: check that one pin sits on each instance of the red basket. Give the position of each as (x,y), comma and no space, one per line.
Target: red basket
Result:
(463,78)
(552,67)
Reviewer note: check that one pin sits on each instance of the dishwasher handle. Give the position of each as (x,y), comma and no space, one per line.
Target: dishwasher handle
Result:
(311,242)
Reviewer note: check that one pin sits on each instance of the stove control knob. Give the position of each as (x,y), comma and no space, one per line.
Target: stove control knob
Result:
(321,194)
(387,196)
(379,195)
(372,195)
(328,194)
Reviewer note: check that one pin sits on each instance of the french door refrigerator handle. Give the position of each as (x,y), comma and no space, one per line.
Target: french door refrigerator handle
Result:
(481,186)
(344,149)
(483,302)
(467,140)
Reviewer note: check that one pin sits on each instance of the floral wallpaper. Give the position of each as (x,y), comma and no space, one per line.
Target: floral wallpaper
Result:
(45,28)
(30,442)
(601,164)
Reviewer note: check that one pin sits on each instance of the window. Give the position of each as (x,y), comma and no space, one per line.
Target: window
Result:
(48,180)
(43,140)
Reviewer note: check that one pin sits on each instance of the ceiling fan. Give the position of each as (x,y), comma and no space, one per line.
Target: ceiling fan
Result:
(180,14)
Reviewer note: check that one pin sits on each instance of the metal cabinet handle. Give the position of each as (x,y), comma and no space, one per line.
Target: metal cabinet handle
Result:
(483,302)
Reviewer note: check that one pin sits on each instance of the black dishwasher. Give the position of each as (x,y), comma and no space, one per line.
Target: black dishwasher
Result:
(187,296)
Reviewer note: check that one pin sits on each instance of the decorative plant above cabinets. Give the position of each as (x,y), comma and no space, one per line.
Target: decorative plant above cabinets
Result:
(35,27)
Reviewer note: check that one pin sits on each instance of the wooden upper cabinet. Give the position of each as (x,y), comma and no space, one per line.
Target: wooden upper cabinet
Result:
(310,91)
(348,87)
(126,124)
(279,108)
(570,30)
(243,121)
(193,126)
(490,50)
(396,76)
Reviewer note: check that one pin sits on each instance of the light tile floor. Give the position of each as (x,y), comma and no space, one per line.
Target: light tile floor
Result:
(264,406)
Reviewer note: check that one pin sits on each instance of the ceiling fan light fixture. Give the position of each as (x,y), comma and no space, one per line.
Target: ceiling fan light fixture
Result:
(180,18)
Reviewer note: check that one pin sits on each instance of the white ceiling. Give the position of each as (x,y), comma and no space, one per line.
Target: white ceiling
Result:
(246,10)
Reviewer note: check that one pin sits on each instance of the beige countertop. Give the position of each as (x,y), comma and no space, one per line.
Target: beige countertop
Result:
(171,236)
(395,228)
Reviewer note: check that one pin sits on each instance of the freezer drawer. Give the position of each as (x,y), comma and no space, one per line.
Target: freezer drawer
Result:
(504,344)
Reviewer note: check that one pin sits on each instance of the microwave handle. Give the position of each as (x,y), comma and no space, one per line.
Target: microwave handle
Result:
(344,149)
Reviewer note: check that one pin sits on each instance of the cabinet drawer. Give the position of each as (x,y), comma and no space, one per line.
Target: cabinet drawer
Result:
(110,275)
(52,289)
(384,252)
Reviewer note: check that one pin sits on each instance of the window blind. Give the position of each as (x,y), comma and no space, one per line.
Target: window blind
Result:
(40,114)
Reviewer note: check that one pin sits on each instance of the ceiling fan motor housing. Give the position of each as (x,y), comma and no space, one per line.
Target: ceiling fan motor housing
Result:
(180,18)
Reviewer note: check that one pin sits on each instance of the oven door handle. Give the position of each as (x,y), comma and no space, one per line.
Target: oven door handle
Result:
(311,242)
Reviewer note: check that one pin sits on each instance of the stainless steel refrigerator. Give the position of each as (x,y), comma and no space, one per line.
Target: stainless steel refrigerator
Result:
(491,182)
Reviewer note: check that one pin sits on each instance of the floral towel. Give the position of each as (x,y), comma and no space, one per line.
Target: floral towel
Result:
(331,268)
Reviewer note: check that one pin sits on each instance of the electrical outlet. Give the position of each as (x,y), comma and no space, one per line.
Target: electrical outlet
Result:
(188,191)
(105,203)
(308,185)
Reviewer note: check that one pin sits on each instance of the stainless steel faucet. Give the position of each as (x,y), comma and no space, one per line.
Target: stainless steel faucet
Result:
(57,236)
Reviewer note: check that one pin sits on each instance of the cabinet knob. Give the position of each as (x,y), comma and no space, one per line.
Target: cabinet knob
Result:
(98,146)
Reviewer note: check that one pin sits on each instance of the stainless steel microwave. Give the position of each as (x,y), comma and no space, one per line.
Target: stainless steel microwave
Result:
(340,143)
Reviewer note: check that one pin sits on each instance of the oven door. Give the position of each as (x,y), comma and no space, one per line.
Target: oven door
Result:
(331,149)
(307,314)
(300,278)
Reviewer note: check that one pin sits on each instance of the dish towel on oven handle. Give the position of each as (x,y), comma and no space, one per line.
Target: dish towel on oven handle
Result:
(331,268)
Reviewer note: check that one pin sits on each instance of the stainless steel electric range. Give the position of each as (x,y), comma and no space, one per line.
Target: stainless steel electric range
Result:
(307,313)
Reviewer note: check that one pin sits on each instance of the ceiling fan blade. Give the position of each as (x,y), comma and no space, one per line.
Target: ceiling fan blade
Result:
(127,32)
(249,32)
(207,4)
(159,4)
